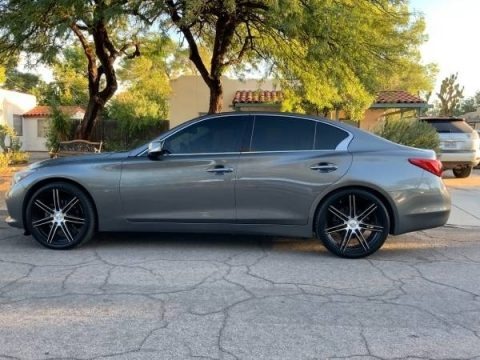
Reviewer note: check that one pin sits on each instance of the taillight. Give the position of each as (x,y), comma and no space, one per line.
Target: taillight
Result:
(430,165)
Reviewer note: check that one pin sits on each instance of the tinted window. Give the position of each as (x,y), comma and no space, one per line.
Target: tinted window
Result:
(217,135)
(450,126)
(276,133)
(328,137)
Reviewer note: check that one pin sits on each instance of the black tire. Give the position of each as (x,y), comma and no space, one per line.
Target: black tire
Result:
(462,172)
(352,231)
(60,216)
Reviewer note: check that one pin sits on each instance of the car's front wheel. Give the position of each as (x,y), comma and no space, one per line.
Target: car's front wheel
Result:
(463,172)
(60,216)
(352,223)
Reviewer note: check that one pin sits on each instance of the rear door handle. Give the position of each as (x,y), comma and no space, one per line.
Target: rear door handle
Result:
(324,167)
(220,169)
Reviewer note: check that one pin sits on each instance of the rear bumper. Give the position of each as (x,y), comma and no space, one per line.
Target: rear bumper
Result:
(426,207)
(455,159)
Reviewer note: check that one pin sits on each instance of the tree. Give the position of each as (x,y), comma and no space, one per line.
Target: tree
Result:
(329,53)
(450,95)
(105,30)
(70,85)
(143,105)
(469,104)
(21,81)
(2,74)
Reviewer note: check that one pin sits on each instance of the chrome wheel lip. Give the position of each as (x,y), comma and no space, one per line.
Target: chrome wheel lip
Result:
(353,224)
(62,221)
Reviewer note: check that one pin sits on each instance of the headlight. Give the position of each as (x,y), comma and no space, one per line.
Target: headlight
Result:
(21,175)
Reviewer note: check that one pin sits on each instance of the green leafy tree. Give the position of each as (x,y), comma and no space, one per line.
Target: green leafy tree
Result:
(144,103)
(2,74)
(329,54)
(450,95)
(21,81)
(105,29)
(469,104)
(70,85)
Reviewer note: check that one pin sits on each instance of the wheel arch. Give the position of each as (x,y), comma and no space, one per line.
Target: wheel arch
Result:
(47,181)
(386,200)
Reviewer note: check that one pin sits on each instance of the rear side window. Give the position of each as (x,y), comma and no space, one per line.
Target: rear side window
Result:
(450,126)
(280,133)
(328,137)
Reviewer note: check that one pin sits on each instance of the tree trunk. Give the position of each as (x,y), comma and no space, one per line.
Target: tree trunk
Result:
(216,97)
(84,129)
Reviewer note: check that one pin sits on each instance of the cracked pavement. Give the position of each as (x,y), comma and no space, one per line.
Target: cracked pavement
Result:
(237,297)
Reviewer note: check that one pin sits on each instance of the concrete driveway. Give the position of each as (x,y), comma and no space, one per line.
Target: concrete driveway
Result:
(223,297)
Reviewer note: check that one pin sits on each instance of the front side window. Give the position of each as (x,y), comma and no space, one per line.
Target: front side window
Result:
(216,135)
(281,133)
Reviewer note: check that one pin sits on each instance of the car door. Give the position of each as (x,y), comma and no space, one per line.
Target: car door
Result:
(291,161)
(193,181)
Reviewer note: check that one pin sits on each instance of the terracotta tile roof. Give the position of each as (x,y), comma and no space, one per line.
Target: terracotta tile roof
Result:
(257,97)
(397,97)
(46,111)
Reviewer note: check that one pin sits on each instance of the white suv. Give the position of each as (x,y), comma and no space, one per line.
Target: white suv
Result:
(459,144)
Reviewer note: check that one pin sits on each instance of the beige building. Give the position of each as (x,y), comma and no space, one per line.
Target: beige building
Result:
(190,98)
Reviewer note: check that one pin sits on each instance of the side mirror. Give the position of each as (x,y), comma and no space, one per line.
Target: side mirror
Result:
(155,149)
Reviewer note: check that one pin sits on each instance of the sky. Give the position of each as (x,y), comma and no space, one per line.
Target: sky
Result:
(453,32)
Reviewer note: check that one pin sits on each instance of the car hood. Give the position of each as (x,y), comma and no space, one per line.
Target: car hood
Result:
(80,159)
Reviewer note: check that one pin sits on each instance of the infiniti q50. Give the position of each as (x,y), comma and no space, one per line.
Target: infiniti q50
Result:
(252,173)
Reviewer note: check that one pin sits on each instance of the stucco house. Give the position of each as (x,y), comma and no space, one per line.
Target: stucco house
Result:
(36,122)
(20,111)
(190,97)
(13,105)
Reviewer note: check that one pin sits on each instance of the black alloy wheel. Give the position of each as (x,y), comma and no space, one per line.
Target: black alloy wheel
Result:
(60,216)
(353,223)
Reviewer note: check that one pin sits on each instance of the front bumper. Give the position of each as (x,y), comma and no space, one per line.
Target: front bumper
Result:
(14,200)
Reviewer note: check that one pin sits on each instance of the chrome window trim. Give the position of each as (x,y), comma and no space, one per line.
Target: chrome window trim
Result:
(342,146)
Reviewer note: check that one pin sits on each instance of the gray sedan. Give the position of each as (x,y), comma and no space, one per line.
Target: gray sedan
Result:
(252,173)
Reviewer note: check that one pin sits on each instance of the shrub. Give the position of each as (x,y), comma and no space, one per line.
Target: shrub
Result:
(410,132)
(19,157)
(4,160)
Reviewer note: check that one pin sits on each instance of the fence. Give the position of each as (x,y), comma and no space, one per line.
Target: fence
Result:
(115,138)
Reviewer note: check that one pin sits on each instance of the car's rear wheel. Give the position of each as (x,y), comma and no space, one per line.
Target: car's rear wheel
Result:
(462,172)
(60,216)
(352,223)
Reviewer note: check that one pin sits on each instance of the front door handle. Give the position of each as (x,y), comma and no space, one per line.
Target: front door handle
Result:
(324,167)
(220,169)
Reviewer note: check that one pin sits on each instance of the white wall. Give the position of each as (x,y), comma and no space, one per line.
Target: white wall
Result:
(15,103)
(32,141)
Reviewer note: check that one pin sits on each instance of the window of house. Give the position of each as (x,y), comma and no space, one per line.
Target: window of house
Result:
(42,127)
(18,124)
(216,135)
(280,133)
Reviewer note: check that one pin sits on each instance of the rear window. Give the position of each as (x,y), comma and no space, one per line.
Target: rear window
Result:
(450,126)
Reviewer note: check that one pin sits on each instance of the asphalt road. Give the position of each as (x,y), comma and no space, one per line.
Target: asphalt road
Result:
(217,297)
